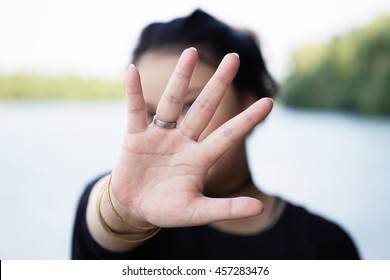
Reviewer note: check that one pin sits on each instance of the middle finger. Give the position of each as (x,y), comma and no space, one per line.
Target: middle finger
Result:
(171,103)
(204,107)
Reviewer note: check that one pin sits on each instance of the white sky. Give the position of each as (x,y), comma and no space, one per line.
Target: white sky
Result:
(94,38)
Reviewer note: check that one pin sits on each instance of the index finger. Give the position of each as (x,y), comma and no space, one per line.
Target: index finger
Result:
(227,135)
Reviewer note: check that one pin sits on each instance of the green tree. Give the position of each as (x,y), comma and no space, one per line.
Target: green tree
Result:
(351,73)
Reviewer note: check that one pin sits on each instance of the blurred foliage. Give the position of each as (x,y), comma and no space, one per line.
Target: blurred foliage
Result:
(350,73)
(35,87)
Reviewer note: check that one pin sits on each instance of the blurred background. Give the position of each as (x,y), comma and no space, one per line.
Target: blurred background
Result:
(62,113)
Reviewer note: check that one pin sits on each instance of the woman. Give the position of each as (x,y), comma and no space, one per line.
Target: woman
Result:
(182,187)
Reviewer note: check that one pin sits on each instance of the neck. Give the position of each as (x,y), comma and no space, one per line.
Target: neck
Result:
(230,175)
(239,189)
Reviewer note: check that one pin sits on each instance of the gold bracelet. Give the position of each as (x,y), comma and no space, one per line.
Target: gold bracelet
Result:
(112,232)
(116,212)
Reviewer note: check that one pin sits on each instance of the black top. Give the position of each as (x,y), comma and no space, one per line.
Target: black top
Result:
(297,234)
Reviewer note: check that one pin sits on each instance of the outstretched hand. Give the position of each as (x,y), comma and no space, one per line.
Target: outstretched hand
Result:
(160,172)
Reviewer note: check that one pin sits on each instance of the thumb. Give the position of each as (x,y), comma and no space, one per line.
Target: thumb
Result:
(210,210)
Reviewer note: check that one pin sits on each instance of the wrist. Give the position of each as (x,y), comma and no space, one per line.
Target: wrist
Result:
(115,224)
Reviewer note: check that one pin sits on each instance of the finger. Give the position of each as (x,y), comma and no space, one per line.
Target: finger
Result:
(209,99)
(136,110)
(171,103)
(223,138)
(210,210)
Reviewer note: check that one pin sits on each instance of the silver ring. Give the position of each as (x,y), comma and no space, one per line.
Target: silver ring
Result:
(163,124)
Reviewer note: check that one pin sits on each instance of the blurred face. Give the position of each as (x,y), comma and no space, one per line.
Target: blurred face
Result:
(155,70)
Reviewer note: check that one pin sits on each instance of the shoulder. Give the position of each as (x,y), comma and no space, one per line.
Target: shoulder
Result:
(318,233)
(313,222)
(83,245)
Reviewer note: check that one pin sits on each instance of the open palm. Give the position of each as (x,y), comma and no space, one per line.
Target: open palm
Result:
(159,176)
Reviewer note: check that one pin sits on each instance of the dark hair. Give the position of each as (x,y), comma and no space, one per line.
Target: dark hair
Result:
(213,39)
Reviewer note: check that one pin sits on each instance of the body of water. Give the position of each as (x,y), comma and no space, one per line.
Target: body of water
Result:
(334,164)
